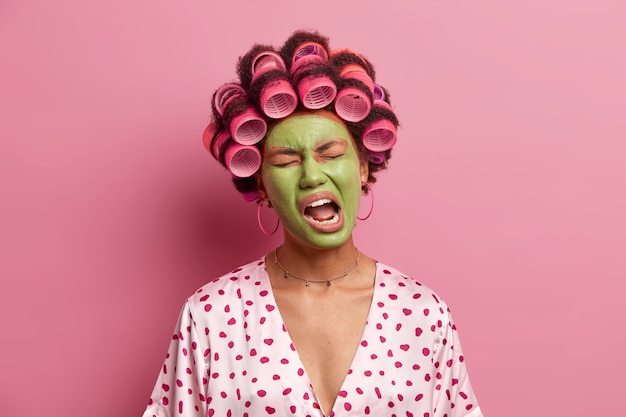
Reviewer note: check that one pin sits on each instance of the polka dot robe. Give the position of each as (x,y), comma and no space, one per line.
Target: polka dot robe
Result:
(231,355)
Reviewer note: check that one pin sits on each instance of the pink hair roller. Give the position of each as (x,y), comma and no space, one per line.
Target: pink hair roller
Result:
(378,93)
(277,98)
(248,127)
(216,144)
(208,135)
(376,157)
(308,53)
(383,104)
(316,92)
(358,73)
(225,94)
(379,98)
(266,61)
(352,104)
(380,136)
(242,160)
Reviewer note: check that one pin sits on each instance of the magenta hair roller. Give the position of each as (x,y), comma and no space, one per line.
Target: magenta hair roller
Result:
(383,104)
(380,136)
(306,54)
(315,90)
(277,98)
(266,61)
(217,143)
(242,160)
(248,127)
(376,157)
(224,95)
(208,135)
(378,93)
(379,98)
(352,104)
(354,71)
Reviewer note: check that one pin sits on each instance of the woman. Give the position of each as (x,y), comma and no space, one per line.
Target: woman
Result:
(315,328)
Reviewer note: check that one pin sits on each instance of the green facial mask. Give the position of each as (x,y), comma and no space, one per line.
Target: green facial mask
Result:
(312,174)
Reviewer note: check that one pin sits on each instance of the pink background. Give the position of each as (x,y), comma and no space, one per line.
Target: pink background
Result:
(506,192)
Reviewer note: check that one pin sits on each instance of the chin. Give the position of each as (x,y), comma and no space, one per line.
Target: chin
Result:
(325,241)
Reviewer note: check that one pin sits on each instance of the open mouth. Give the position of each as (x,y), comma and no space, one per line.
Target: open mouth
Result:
(323,212)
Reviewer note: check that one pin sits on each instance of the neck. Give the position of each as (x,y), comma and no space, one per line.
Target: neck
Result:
(315,263)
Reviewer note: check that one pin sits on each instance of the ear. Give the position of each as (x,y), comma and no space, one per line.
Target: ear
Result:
(364,170)
(260,185)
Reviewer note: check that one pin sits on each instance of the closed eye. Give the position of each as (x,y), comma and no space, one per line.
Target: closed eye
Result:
(285,164)
(283,157)
(331,149)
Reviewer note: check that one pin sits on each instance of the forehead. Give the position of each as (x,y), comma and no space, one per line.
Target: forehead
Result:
(304,130)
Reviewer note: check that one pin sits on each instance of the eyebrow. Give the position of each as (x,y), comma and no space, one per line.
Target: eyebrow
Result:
(327,145)
(277,150)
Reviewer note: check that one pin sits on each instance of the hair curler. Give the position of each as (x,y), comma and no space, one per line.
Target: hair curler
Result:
(308,53)
(379,98)
(316,90)
(376,157)
(379,136)
(208,135)
(241,160)
(217,142)
(378,92)
(357,72)
(224,95)
(383,104)
(248,127)
(353,104)
(277,98)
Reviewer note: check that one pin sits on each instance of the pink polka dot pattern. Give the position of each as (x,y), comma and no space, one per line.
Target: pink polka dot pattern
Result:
(231,355)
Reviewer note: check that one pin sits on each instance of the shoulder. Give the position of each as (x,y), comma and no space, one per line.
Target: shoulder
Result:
(409,292)
(228,284)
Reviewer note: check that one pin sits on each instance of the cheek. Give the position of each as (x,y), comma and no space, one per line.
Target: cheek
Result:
(352,173)
(277,185)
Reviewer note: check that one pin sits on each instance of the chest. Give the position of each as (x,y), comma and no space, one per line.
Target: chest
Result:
(326,332)
(301,358)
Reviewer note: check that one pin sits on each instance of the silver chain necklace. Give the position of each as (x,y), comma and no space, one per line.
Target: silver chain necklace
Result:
(307,282)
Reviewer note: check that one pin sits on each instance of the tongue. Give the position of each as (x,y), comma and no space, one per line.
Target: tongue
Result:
(321,213)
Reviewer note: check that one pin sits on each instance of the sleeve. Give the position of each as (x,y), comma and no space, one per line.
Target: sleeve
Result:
(180,389)
(453,395)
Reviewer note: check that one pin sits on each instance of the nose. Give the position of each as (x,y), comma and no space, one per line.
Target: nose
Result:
(312,174)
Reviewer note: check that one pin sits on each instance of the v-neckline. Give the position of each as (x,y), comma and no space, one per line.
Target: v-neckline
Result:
(356,355)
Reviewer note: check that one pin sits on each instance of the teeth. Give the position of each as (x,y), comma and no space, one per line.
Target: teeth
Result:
(320,202)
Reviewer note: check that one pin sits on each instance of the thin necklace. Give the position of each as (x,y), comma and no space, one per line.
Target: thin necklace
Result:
(307,282)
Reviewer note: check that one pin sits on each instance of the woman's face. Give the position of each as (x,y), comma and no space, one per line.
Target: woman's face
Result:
(312,174)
